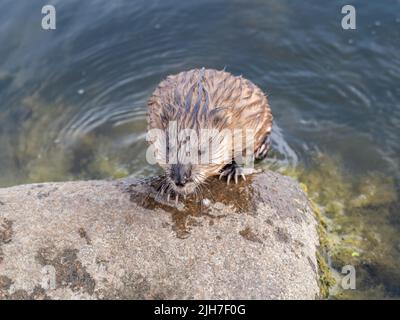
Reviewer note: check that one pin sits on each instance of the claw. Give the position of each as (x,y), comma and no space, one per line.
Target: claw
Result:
(235,172)
(168,197)
(176,199)
(228,178)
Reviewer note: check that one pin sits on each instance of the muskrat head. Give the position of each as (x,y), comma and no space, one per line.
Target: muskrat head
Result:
(185,179)
(187,167)
(190,153)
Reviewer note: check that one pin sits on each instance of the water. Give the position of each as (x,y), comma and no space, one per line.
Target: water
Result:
(73,100)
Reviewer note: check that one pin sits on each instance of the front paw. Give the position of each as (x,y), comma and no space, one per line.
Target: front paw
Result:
(234,171)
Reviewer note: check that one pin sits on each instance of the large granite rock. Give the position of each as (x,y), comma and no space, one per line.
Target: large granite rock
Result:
(114,240)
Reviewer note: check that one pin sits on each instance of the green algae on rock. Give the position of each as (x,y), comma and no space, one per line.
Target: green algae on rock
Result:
(355,228)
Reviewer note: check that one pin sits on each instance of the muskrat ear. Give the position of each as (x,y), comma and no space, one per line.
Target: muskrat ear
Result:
(216,120)
(220,117)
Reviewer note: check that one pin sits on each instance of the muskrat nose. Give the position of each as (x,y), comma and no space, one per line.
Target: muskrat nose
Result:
(180,174)
(180,181)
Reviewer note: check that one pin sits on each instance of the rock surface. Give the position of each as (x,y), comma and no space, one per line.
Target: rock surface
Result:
(114,240)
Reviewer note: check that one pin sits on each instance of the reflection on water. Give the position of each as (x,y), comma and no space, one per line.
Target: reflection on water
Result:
(73,101)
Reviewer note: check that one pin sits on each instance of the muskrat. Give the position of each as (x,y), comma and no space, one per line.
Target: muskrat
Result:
(207,99)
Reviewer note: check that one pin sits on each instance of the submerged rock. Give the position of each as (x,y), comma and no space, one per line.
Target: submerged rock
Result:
(119,240)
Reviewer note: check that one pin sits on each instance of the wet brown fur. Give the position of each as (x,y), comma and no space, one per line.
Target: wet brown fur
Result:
(207,98)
